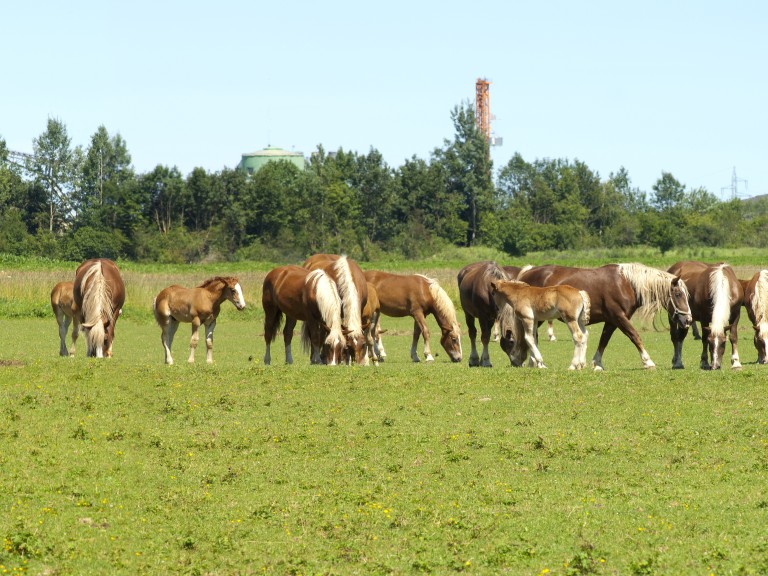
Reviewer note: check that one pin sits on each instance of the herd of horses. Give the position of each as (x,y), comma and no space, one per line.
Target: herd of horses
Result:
(340,307)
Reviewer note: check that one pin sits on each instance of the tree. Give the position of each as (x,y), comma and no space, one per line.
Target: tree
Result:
(669,193)
(468,167)
(53,164)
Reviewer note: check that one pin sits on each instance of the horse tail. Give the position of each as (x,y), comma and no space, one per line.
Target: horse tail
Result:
(350,298)
(760,297)
(306,340)
(586,304)
(97,302)
(719,290)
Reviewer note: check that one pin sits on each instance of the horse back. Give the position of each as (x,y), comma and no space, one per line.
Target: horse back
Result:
(696,276)
(63,299)
(400,294)
(111,274)
(475,293)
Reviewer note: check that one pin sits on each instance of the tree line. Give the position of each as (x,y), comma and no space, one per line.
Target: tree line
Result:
(74,203)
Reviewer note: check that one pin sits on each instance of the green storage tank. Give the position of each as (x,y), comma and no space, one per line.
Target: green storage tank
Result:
(255,161)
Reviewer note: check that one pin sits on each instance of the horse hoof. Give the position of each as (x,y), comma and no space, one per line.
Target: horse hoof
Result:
(429,359)
(597,368)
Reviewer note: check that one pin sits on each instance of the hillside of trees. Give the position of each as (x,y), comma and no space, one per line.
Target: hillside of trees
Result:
(72,203)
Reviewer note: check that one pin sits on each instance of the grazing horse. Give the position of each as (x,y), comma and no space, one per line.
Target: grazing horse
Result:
(353,290)
(199,305)
(371,329)
(756,303)
(532,304)
(63,304)
(616,292)
(715,296)
(477,301)
(309,296)
(99,295)
(418,296)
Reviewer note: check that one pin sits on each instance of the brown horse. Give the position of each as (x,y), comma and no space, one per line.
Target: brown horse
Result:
(616,292)
(418,296)
(297,294)
(63,304)
(756,303)
(533,304)
(99,295)
(199,306)
(715,299)
(477,301)
(353,290)
(371,328)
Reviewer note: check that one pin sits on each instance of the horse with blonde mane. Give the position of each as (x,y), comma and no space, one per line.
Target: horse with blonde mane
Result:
(616,292)
(353,290)
(199,306)
(715,296)
(418,296)
(295,293)
(63,305)
(756,303)
(99,294)
(532,304)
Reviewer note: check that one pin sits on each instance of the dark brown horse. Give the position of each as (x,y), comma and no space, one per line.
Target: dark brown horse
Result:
(418,296)
(99,294)
(297,294)
(715,296)
(756,303)
(353,290)
(616,292)
(478,303)
(63,305)
(199,306)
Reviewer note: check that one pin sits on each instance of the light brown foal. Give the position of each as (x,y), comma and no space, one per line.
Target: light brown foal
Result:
(199,305)
(63,304)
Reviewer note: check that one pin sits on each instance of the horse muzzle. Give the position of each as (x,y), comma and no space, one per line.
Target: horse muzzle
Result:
(685,320)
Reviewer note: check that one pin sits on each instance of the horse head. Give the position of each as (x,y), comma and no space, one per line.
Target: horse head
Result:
(451,342)
(678,307)
(234,292)
(512,336)
(355,349)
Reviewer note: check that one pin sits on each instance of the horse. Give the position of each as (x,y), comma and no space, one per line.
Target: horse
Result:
(63,305)
(418,296)
(616,292)
(715,300)
(296,293)
(513,272)
(99,295)
(532,304)
(353,290)
(756,303)
(371,328)
(199,306)
(477,301)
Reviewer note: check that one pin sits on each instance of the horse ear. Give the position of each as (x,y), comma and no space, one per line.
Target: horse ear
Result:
(675,281)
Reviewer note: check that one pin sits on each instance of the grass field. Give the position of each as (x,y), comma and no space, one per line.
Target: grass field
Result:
(127,466)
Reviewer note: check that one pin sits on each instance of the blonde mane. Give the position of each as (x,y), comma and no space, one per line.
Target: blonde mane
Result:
(652,287)
(760,298)
(96,293)
(445,311)
(350,299)
(328,302)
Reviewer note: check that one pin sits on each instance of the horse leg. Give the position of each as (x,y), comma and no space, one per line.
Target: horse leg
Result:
(496,334)
(290,324)
(75,333)
(373,351)
(695,331)
(578,345)
(677,334)
(193,341)
(733,336)
(485,338)
(166,338)
(63,321)
(551,331)
(421,322)
(530,327)
(474,358)
(209,341)
(623,323)
(378,344)
(705,347)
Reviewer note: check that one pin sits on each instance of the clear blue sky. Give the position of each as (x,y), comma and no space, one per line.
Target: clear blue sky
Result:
(676,86)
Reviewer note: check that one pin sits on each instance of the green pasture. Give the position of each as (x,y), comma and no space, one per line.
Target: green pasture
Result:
(128,466)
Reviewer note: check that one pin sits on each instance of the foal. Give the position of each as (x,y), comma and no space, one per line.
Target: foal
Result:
(532,304)
(63,304)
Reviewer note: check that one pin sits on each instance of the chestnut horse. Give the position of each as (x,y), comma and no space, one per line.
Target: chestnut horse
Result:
(371,329)
(99,295)
(309,296)
(63,304)
(353,290)
(513,272)
(756,303)
(418,296)
(477,301)
(199,306)
(616,292)
(715,299)
(531,304)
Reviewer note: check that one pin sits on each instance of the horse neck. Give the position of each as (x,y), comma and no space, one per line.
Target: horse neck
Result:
(442,308)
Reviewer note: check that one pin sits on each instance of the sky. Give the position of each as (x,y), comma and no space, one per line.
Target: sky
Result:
(676,86)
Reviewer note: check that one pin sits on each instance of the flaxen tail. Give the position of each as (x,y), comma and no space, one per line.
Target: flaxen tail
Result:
(584,315)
